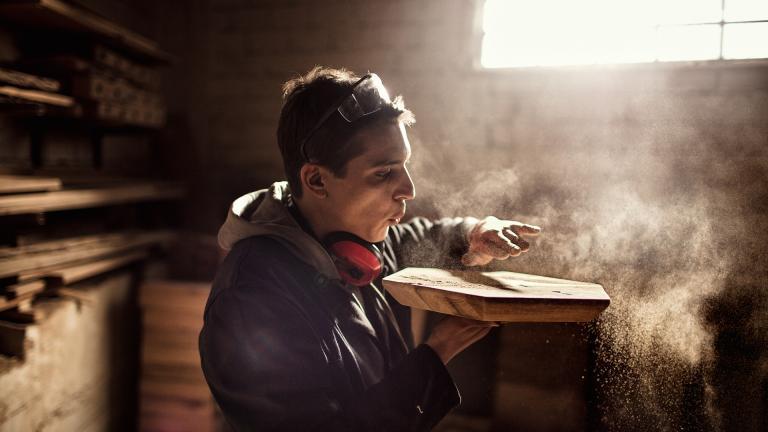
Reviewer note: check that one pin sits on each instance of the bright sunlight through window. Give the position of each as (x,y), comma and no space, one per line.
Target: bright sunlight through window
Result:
(520,33)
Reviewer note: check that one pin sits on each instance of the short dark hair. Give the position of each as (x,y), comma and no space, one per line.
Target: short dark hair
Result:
(305,99)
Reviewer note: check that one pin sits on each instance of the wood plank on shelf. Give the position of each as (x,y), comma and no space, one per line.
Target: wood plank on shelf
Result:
(85,198)
(34,261)
(24,288)
(22,79)
(16,184)
(37,96)
(6,304)
(61,16)
(76,273)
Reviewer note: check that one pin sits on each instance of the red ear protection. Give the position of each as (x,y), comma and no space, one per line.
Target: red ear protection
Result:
(358,261)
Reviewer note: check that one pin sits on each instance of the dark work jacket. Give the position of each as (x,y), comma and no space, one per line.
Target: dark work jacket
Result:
(287,347)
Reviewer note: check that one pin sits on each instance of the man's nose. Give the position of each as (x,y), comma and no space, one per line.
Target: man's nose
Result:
(406,189)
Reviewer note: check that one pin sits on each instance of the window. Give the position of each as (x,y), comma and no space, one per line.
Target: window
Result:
(520,33)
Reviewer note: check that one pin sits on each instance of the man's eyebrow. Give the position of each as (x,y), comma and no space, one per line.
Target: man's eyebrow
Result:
(385,162)
(389,161)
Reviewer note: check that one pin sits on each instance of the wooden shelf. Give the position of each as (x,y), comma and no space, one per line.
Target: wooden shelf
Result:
(18,184)
(86,198)
(36,96)
(60,16)
(74,258)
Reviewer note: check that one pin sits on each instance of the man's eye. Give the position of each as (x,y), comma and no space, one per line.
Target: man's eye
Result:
(383,174)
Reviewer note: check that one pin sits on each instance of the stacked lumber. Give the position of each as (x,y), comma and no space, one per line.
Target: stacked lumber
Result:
(22,88)
(42,202)
(53,265)
(174,394)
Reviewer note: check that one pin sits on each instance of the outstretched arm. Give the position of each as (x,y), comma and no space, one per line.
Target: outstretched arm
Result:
(452,242)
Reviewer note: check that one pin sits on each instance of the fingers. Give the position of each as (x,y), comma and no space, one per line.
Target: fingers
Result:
(527,229)
(516,239)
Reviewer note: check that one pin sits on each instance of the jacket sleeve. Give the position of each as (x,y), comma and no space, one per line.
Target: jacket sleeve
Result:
(268,371)
(422,242)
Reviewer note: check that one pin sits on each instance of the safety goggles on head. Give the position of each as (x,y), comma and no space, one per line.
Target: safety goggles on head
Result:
(365,97)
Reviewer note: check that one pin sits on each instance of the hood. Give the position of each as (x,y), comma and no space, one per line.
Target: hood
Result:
(265,213)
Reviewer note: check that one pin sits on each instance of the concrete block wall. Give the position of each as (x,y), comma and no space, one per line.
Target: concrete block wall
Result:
(650,179)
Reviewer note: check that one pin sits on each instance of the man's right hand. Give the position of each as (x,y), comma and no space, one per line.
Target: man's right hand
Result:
(453,334)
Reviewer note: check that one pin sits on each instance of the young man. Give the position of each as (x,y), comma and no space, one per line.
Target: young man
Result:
(299,334)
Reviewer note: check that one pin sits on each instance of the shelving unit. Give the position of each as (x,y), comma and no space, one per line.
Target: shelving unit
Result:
(83,74)
(56,15)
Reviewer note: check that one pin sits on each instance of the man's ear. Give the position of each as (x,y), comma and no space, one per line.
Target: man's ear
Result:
(313,180)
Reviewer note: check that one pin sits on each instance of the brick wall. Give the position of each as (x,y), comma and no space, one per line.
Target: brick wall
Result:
(649,179)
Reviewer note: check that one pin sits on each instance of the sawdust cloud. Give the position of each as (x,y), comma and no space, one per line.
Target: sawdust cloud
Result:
(664,245)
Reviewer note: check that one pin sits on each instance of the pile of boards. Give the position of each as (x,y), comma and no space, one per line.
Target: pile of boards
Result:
(34,264)
(174,394)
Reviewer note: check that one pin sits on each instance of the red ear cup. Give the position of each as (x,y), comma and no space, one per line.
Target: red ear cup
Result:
(358,262)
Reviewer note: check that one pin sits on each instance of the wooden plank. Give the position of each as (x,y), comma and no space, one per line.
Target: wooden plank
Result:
(61,16)
(24,288)
(21,79)
(17,184)
(84,198)
(37,96)
(19,301)
(497,296)
(35,261)
(76,273)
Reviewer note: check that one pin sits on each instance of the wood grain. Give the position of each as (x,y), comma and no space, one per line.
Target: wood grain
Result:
(497,296)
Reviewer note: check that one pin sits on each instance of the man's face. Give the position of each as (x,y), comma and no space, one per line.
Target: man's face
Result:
(372,195)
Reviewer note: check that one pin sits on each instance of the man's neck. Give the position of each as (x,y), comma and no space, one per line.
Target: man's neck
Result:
(308,219)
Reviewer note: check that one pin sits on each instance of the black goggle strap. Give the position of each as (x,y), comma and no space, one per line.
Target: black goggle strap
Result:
(349,106)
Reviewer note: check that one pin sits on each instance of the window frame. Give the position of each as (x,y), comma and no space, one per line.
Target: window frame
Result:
(720,62)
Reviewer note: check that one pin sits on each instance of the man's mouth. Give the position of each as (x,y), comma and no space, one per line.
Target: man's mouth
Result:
(396,219)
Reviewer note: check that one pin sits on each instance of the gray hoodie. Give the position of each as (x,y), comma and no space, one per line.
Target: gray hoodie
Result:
(265,213)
